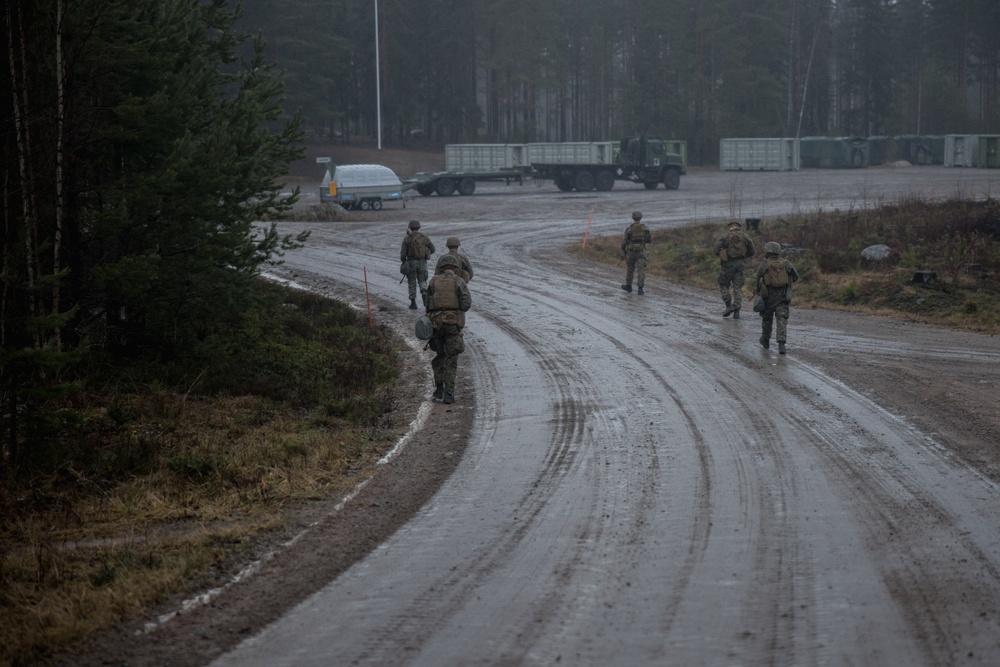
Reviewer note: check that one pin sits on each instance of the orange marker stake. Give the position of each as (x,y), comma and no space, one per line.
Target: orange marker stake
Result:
(368,301)
(588,228)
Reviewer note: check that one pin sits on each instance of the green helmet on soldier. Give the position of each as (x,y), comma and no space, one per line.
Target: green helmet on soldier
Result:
(637,215)
(447,261)
(735,224)
(772,248)
(452,242)
(414,224)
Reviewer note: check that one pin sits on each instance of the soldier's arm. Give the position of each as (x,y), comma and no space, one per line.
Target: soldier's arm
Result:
(464,297)
(430,246)
(751,250)
(792,273)
(403,250)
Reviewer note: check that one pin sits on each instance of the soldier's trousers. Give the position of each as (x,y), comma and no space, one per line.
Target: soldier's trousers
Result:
(776,310)
(731,273)
(635,264)
(447,342)
(417,275)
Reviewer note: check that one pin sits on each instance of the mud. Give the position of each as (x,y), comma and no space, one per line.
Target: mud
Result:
(633,478)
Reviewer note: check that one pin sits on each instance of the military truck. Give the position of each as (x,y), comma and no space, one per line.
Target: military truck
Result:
(580,166)
(587,166)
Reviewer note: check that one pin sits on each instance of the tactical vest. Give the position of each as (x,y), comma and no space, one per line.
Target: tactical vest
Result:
(418,247)
(442,302)
(776,275)
(637,234)
(736,247)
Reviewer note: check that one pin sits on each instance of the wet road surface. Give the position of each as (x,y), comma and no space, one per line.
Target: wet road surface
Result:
(645,485)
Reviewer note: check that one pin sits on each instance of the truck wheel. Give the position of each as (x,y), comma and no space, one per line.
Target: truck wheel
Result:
(446,187)
(563,183)
(365,204)
(605,181)
(425,190)
(376,204)
(671,179)
(650,185)
(584,181)
(466,186)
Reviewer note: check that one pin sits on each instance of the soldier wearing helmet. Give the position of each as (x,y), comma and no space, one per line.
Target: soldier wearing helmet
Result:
(465,267)
(733,248)
(775,276)
(447,301)
(413,256)
(633,247)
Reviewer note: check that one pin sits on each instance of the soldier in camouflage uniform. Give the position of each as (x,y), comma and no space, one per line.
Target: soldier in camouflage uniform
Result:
(733,248)
(633,247)
(413,254)
(775,276)
(447,301)
(465,267)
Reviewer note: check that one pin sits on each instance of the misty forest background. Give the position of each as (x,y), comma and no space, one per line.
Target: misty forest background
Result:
(143,140)
(498,71)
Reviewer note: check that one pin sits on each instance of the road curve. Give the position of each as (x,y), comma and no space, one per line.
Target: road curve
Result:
(645,485)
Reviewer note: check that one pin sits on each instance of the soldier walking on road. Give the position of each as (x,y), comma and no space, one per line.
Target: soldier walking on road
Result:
(464,267)
(447,301)
(413,254)
(733,248)
(775,276)
(634,252)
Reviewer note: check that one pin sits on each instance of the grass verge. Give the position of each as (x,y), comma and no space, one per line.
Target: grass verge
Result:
(163,478)
(956,242)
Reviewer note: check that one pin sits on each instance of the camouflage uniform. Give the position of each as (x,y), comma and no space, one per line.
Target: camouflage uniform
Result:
(465,267)
(778,295)
(731,267)
(447,301)
(633,248)
(416,267)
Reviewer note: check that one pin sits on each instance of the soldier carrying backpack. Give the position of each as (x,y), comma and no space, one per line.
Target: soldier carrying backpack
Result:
(413,256)
(775,276)
(733,248)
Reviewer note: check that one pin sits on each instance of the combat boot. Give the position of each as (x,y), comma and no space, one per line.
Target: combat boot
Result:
(736,314)
(439,391)
(641,291)
(764,342)
(413,304)
(781,347)
(627,288)
(449,398)
(730,309)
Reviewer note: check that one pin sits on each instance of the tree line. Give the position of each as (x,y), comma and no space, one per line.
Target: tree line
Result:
(141,140)
(589,70)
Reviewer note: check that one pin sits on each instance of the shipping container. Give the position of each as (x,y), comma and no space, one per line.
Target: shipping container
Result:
(972,150)
(484,157)
(834,152)
(770,154)
(573,152)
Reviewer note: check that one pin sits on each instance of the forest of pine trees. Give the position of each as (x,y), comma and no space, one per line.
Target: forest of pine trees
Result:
(591,70)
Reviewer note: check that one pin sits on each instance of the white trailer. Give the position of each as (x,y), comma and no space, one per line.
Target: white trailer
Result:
(770,154)
(363,186)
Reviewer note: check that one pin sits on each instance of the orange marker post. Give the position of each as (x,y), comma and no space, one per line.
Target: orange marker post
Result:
(587,231)
(368,301)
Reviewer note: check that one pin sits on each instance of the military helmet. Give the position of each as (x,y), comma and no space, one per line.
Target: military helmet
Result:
(447,260)
(637,215)
(735,224)
(452,242)
(414,224)
(772,248)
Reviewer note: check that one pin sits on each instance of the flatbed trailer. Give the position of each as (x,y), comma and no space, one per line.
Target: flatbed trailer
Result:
(446,183)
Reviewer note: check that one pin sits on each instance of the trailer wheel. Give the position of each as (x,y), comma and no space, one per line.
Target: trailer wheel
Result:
(650,185)
(376,204)
(425,189)
(446,187)
(584,181)
(605,181)
(564,183)
(671,179)
(364,204)
(466,186)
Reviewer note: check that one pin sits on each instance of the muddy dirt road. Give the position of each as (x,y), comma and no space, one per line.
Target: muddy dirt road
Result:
(644,484)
